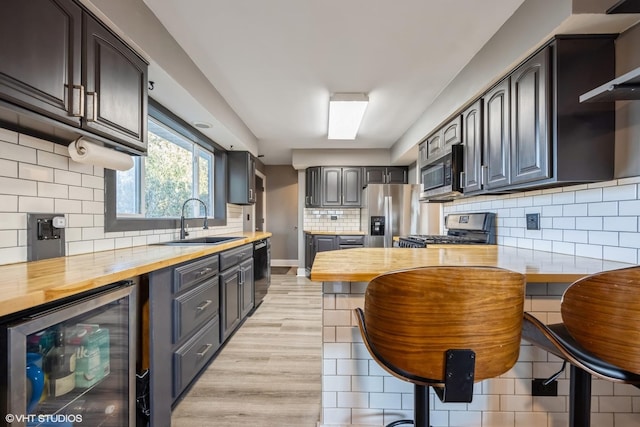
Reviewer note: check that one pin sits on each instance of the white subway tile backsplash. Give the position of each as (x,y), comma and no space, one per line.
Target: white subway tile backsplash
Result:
(81,193)
(580,209)
(67,206)
(92,207)
(91,181)
(46,189)
(576,236)
(563,198)
(589,223)
(8,238)
(621,223)
(620,192)
(66,177)
(589,196)
(11,151)
(38,176)
(35,173)
(620,254)
(13,255)
(35,204)
(630,240)
(53,160)
(603,238)
(603,209)
(629,207)
(8,168)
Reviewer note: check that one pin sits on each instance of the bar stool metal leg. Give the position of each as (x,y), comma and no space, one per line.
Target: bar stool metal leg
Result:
(421,405)
(579,398)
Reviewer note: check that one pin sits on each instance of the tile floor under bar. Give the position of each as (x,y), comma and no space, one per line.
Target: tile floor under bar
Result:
(269,373)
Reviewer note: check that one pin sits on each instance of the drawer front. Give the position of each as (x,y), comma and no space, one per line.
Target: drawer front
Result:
(235,256)
(350,240)
(189,359)
(195,272)
(195,307)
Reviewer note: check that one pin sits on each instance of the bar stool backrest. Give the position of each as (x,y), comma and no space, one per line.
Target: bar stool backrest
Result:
(602,313)
(414,316)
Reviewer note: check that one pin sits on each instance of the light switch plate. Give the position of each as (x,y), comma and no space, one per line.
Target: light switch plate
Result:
(44,239)
(533,221)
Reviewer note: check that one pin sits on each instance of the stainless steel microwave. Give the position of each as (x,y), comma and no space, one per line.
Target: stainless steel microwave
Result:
(441,178)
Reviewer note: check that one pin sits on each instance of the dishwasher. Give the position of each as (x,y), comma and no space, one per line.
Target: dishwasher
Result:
(262,269)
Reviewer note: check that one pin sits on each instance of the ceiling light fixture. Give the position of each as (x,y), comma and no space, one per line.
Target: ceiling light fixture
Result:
(203,125)
(345,114)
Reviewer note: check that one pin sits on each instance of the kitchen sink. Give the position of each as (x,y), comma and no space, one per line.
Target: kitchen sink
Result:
(209,240)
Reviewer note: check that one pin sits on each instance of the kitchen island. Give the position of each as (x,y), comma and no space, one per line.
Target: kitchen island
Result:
(356,391)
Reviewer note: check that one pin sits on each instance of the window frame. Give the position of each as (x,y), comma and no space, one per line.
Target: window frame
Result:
(219,160)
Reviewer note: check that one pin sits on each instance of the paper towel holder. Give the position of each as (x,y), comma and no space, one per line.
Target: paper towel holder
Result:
(83,150)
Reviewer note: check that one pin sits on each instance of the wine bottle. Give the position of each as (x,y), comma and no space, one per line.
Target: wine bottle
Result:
(60,365)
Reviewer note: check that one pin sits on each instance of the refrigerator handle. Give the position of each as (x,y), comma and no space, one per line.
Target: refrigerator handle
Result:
(388,219)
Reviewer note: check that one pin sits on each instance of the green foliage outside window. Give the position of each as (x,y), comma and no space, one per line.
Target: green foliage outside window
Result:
(168,178)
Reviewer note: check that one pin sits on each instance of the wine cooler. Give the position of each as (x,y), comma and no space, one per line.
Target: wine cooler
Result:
(72,364)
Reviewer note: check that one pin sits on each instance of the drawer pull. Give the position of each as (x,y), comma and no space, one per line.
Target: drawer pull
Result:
(203,305)
(204,350)
(205,271)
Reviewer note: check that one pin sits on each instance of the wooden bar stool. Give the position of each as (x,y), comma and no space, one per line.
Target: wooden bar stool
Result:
(599,336)
(444,327)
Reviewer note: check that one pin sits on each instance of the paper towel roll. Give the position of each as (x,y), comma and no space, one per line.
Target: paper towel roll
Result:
(83,151)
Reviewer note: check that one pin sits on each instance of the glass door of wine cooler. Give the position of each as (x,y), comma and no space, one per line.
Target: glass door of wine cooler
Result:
(74,365)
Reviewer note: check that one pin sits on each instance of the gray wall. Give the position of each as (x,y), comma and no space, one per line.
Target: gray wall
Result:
(282,213)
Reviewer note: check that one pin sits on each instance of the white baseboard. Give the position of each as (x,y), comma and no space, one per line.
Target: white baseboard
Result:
(284,262)
(302,272)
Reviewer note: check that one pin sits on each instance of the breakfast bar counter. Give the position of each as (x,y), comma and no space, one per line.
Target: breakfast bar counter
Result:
(356,391)
(364,264)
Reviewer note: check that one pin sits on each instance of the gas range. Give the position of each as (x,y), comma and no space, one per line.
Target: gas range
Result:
(472,228)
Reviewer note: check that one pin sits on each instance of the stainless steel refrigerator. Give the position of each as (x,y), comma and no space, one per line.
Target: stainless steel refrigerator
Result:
(389,210)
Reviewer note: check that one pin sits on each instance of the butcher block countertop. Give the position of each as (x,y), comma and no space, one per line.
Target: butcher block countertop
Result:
(29,284)
(336,233)
(362,265)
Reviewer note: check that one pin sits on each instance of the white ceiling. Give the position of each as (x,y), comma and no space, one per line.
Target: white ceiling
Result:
(276,62)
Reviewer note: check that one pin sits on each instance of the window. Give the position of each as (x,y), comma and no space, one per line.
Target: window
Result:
(180,164)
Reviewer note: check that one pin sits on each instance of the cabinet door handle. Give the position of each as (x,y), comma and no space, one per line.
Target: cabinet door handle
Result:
(205,271)
(204,350)
(203,305)
(239,277)
(463,176)
(251,194)
(92,115)
(77,100)
(483,174)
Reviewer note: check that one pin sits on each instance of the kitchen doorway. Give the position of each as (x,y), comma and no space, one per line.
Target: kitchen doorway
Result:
(260,202)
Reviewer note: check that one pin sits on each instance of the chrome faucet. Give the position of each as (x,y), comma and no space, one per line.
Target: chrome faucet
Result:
(183,230)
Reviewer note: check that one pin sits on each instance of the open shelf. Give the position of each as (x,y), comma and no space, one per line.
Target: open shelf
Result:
(625,6)
(625,87)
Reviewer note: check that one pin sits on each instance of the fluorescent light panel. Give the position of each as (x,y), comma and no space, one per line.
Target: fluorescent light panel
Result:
(345,114)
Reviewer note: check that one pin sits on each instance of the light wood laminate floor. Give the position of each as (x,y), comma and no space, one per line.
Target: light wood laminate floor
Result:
(269,373)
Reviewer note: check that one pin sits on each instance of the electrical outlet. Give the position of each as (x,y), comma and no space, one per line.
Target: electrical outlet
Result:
(533,221)
(334,217)
(539,389)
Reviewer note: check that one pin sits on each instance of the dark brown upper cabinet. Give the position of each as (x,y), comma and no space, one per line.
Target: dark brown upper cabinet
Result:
(386,175)
(341,186)
(472,148)
(439,143)
(64,74)
(497,150)
(116,87)
(241,178)
(535,131)
(40,57)
(530,160)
